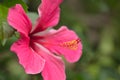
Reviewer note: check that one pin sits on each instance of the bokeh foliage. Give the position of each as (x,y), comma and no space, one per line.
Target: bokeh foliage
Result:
(97,22)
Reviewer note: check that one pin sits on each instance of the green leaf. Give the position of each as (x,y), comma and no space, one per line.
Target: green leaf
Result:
(3,12)
(3,15)
(10,3)
(5,30)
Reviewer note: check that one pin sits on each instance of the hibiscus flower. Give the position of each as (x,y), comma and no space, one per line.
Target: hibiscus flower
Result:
(40,47)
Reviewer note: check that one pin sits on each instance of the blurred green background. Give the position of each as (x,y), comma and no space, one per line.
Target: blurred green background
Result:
(97,22)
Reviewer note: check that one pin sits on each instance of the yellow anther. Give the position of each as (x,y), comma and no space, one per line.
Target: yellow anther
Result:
(73,44)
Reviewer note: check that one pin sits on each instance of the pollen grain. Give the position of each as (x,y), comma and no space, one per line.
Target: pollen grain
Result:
(72,45)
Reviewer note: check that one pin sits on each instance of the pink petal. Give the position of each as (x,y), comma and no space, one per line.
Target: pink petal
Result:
(49,12)
(30,60)
(63,41)
(54,68)
(19,20)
